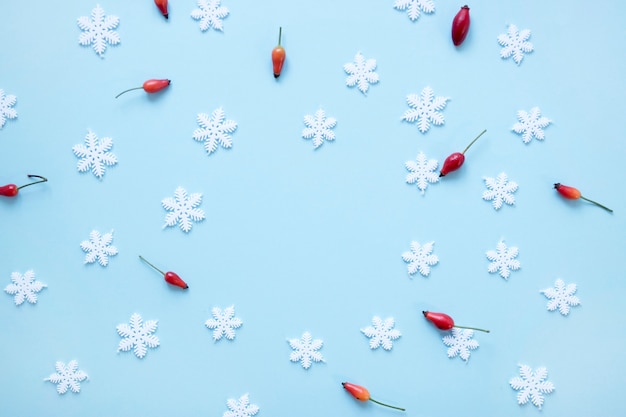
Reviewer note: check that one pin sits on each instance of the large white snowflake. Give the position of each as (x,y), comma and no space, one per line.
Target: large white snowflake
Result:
(98,247)
(240,407)
(515,44)
(413,7)
(531,385)
(67,377)
(6,107)
(382,333)
(425,109)
(24,287)
(210,14)
(561,297)
(94,154)
(460,342)
(306,350)
(223,323)
(183,209)
(319,127)
(499,190)
(361,73)
(137,336)
(531,124)
(420,258)
(422,171)
(98,30)
(214,130)
(503,260)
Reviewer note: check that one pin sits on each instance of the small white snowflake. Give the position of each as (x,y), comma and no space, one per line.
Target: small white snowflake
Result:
(420,258)
(214,130)
(460,342)
(422,172)
(499,190)
(515,44)
(210,14)
(413,7)
(98,30)
(319,127)
(24,287)
(382,333)
(98,247)
(183,209)
(561,297)
(361,73)
(503,260)
(241,407)
(6,107)
(94,154)
(425,109)
(223,323)
(67,377)
(531,124)
(305,350)
(532,385)
(137,336)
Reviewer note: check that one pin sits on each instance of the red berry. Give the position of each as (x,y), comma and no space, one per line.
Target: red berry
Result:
(444,322)
(454,161)
(572,193)
(278,55)
(460,26)
(150,86)
(362,394)
(162,5)
(170,277)
(11,190)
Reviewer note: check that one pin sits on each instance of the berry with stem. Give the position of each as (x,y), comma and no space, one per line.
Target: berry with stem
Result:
(460,25)
(454,161)
(278,55)
(162,5)
(362,394)
(444,322)
(11,190)
(150,86)
(572,193)
(170,277)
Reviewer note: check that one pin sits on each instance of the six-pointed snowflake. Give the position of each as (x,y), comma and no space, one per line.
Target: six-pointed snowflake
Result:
(425,109)
(361,73)
(420,258)
(241,407)
(413,7)
(561,297)
(6,107)
(503,260)
(305,350)
(183,209)
(210,14)
(515,44)
(98,247)
(319,127)
(531,124)
(214,130)
(422,171)
(67,376)
(223,323)
(382,333)
(24,287)
(98,30)
(137,336)
(531,385)
(94,154)
(460,342)
(499,190)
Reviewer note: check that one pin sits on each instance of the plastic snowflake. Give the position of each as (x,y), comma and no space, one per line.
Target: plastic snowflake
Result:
(382,333)
(422,171)
(425,109)
(503,260)
(561,297)
(515,44)
(94,154)
(223,323)
(24,287)
(420,258)
(413,7)
(210,14)
(6,107)
(98,30)
(183,209)
(361,73)
(241,407)
(319,127)
(460,342)
(305,350)
(499,190)
(214,130)
(531,124)
(531,385)
(67,377)
(98,247)
(137,336)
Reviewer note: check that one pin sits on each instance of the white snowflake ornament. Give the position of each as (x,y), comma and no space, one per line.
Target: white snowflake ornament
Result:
(97,31)
(561,297)
(24,287)
(240,407)
(425,109)
(499,190)
(414,7)
(224,323)
(531,124)
(214,130)
(210,14)
(137,336)
(183,209)
(306,350)
(503,260)
(422,171)
(319,128)
(94,154)
(531,385)
(361,73)
(98,248)
(515,44)
(6,107)
(420,258)
(381,333)
(67,377)
(460,342)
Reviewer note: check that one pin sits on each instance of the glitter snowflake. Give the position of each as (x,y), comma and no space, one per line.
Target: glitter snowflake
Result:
(98,247)
(214,130)
(223,323)
(94,154)
(460,342)
(531,385)
(241,407)
(210,14)
(67,377)
(515,44)
(305,350)
(183,209)
(361,73)
(499,190)
(422,171)
(420,258)
(503,260)
(425,109)
(6,107)
(137,336)
(24,287)
(382,333)
(414,7)
(531,124)
(319,127)
(561,297)
(98,30)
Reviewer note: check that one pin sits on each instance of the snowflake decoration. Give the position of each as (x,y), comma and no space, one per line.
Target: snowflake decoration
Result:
(183,209)
(24,287)
(223,323)
(214,130)
(532,385)
(425,109)
(94,154)
(515,44)
(319,127)
(67,376)
(503,260)
(413,7)
(138,336)
(382,333)
(422,172)
(561,297)
(361,73)
(460,342)
(420,258)
(98,248)
(210,14)
(98,30)
(499,190)
(531,124)
(6,107)
(241,407)
(305,350)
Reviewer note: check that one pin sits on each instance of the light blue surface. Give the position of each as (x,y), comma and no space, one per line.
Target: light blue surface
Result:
(302,240)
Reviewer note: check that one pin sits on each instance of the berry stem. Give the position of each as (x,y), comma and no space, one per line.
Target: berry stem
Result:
(143,259)
(387,405)
(472,142)
(472,328)
(41,179)
(126,91)
(597,204)
(280,34)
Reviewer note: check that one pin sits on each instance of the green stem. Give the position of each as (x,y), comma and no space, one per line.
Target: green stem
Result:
(387,405)
(471,328)
(280,34)
(126,91)
(475,139)
(41,179)
(597,204)
(143,259)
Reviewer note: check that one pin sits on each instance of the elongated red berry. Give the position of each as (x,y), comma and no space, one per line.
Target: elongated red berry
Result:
(150,86)
(162,5)
(444,322)
(460,25)
(362,394)
(278,55)
(170,277)
(454,161)
(12,190)
(572,193)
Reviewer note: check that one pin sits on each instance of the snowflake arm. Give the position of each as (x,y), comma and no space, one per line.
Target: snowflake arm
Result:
(361,73)
(503,260)
(6,107)
(306,350)
(561,296)
(499,190)
(98,30)
(137,335)
(414,7)
(183,209)
(420,258)
(214,131)
(24,287)
(422,171)
(98,248)
(381,333)
(210,14)
(425,109)
(94,154)
(531,124)
(240,407)
(67,377)
(223,323)
(460,342)
(531,385)
(319,128)
(515,44)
